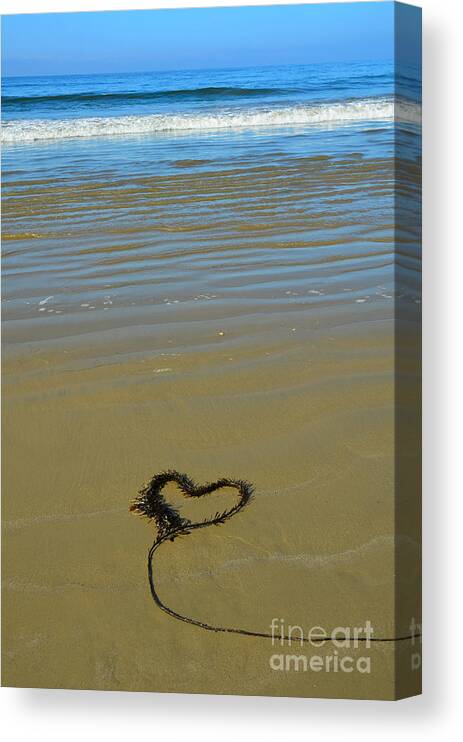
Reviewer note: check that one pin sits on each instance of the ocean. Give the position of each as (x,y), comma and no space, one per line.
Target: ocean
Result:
(85,106)
(194,178)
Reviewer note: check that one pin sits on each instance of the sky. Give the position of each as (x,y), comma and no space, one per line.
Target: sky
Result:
(131,41)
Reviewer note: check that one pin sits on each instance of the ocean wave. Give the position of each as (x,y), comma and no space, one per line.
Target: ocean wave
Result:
(206,93)
(347,112)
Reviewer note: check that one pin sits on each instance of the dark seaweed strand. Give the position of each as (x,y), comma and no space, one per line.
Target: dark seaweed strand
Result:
(171,525)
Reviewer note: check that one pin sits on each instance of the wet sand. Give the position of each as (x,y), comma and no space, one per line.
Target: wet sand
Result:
(223,322)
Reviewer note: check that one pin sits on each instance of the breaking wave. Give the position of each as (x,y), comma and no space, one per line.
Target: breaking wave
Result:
(323,114)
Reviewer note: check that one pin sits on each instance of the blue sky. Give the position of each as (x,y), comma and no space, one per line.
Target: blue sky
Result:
(126,41)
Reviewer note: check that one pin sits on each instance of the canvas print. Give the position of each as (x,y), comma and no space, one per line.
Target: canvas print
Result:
(211,350)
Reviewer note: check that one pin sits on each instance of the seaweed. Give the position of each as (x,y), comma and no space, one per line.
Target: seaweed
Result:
(150,503)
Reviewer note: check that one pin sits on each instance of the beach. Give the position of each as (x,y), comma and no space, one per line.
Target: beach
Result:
(217,300)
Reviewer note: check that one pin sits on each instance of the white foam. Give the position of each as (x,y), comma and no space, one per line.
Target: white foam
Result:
(370,109)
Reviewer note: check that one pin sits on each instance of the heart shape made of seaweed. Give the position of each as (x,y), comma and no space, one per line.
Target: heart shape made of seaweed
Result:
(152,504)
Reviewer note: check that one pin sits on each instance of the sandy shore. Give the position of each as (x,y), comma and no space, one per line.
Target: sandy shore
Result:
(262,350)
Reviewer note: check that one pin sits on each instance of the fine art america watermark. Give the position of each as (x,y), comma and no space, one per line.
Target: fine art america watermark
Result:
(340,641)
